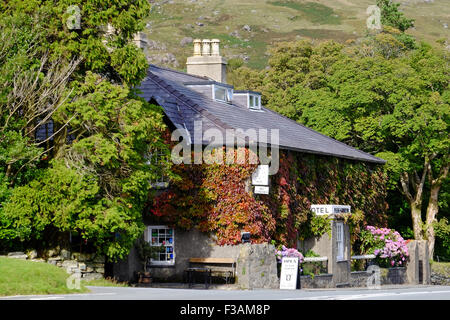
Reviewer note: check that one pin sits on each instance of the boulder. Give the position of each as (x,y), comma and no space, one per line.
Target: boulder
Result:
(17,255)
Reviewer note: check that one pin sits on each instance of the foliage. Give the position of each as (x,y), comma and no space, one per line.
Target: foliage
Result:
(147,251)
(392,16)
(288,252)
(214,198)
(91,174)
(380,95)
(442,228)
(387,245)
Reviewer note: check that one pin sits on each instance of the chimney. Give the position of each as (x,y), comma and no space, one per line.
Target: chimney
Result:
(206,61)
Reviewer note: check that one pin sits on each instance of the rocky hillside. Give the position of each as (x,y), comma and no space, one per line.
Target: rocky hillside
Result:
(247,27)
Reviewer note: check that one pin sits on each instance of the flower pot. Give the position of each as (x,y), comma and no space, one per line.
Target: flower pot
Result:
(145,277)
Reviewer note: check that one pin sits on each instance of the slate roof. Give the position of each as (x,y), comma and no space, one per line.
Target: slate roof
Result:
(183,106)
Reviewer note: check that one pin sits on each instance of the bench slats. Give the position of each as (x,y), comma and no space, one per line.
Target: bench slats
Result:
(212,260)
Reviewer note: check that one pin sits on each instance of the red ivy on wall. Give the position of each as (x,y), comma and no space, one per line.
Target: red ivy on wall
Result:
(218,198)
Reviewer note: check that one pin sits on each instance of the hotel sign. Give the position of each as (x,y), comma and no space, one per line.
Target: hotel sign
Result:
(260,179)
(326,209)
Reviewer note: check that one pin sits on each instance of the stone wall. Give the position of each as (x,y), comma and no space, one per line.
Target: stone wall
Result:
(440,273)
(318,281)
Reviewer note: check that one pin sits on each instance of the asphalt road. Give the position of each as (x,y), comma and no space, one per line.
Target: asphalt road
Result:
(120,293)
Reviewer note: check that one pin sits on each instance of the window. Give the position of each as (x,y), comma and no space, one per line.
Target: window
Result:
(158,159)
(223,93)
(254,102)
(162,236)
(340,241)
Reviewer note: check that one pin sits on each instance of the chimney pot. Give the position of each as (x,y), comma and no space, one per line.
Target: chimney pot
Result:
(197,47)
(206,48)
(215,47)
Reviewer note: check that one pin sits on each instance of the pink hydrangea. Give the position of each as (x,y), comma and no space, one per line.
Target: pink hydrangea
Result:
(289,252)
(394,248)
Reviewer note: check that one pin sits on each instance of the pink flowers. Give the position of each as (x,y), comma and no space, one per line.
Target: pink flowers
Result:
(288,252)
(388,245)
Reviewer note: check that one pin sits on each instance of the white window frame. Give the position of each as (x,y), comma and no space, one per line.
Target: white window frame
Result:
(149,239)
(256,101)
(228,93)
(340,241)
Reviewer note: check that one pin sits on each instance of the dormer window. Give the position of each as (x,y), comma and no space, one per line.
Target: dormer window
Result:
(254,101)
(222,93)
(250,99)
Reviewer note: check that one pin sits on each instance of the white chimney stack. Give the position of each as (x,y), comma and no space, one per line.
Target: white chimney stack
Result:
(206,61)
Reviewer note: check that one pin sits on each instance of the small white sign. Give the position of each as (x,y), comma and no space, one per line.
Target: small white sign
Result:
(326,209)
(261,175)
(261,190)
(289,272)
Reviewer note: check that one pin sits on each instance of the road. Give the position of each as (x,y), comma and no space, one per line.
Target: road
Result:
(120,293)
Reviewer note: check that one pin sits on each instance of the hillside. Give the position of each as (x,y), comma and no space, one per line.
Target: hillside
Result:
(246,28)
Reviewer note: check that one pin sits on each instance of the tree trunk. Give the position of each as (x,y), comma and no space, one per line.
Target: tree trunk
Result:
(433,206)
(416,215)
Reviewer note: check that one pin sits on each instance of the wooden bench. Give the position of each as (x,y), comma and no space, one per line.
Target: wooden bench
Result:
(211,267)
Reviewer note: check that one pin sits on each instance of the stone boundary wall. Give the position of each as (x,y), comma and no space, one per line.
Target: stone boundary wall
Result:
(440,273)
(90,266)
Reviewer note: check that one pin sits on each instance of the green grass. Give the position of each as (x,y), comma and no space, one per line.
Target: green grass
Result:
(312,11)
(441,267)
(22,277)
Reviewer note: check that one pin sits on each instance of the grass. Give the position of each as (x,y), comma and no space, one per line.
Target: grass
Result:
(272,21)
(441,267)
(22,277)
(315,12)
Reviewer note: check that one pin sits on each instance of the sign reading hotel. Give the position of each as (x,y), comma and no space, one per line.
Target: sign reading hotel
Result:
(326,209)
(289,273)
(260,179)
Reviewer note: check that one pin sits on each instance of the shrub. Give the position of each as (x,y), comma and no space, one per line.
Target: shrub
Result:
(387,245)
(288,252)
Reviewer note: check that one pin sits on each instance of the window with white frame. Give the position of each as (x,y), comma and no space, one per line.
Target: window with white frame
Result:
(164,238)
(254,101)
(340,241)
(223,93)
(158,159)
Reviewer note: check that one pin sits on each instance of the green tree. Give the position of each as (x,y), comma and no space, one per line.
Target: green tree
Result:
(91,173)
(370,94)
(392,16)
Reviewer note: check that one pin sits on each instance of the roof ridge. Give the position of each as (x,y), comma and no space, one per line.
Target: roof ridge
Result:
(180,72)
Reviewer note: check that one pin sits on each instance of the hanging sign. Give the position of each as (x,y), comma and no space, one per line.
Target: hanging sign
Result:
(261,190)
(289,273)
(261,175)
(326,209)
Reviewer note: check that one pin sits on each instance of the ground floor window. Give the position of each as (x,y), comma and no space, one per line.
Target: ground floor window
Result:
(163,237)
(340,240)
